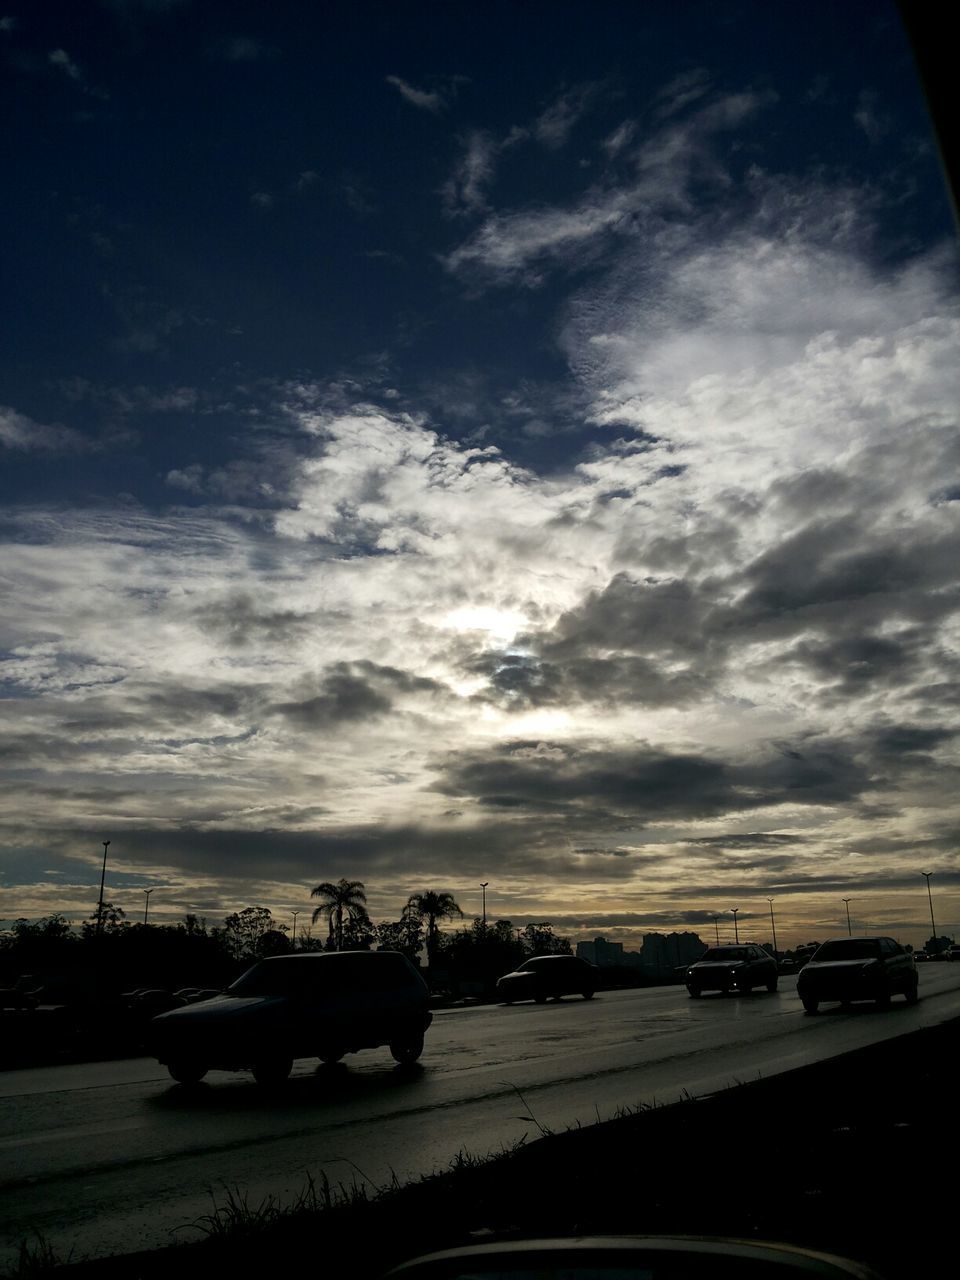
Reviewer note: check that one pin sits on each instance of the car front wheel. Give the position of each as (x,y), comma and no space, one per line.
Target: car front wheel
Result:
(694,993)
(408,1050)
(272,1071)
(772,985)
(588,994)
(330,1055)
(810,1005)
(186,1072)
(912,994)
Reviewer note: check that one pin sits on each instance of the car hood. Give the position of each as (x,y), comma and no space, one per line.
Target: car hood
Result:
(519,976)
(838,967)
(718,964)
(220,1009)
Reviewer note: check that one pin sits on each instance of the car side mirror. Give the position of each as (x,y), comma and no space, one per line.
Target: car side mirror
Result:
(630,1258)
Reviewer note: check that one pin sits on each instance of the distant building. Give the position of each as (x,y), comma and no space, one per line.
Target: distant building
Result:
(605,954)
(663,953)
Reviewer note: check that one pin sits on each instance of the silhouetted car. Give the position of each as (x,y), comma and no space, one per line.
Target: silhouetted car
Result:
(313,1005)
(848,969)
(544,976)
(740,967)
(147,1003)
(953,951)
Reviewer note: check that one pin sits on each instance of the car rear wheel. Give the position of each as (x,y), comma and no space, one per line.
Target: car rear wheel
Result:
(407,1050)
(331,1055)
(772,985)
(695,993)
(810,1005)
(912,994)
(588,994)
(187,1072)
(540,999)
(883,999)
(272,1071)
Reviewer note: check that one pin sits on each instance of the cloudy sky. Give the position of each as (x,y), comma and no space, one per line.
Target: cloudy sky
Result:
(444,443)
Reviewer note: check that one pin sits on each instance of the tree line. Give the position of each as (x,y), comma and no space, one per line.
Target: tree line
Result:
(110,950)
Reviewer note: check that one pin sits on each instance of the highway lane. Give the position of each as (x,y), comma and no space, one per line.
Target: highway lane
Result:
(110,1157)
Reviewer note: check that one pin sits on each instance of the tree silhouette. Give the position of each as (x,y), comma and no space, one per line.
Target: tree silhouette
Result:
(345,898)
(432,906)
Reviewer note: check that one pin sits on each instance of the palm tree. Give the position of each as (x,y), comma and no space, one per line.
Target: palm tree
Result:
(434,906)
(345,898)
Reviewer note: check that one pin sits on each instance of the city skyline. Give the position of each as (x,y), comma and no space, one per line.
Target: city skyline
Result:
(433,454)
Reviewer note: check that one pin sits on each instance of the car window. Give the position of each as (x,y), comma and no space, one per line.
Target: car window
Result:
(726,953)
(849,949)
(319,975)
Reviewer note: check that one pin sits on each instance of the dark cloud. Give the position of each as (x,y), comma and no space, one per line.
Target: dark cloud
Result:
(556,777)
(833,564)
(350,692)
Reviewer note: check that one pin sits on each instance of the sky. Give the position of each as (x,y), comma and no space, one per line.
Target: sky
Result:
(446,443)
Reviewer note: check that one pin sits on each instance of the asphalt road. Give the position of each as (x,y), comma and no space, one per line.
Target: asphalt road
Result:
(112,1157)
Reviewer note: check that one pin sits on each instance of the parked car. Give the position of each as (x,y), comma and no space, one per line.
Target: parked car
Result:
(541,977)
(953,951)
(848,969)
(296,1006)
(740,967)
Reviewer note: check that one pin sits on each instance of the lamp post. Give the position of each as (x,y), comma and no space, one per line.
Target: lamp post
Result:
(773,928)
(295,914)
(103,875)
(846,903)
(146,904)
(716,928)
(483,890)
(933,927)
(736,931)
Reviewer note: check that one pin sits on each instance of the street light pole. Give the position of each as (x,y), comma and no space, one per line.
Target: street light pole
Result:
(483,890)
(933,927)
(736,931)
(295,914)
(146,905)
(103,876)
(773,928)
(846,903)
(716,928)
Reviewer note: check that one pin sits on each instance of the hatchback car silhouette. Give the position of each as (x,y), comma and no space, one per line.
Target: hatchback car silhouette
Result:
(848,969)
(286,1007)
(541,977)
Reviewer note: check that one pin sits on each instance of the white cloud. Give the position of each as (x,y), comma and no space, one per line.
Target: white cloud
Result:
(426,100)
(519,244)
(465,191)
(20,433)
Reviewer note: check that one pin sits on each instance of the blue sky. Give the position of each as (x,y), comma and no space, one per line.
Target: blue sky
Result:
(459,442)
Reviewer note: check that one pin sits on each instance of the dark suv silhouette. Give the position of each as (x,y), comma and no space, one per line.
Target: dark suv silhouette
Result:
(314,1005)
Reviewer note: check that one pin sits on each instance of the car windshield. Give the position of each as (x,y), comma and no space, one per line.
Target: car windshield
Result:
(849,949)
(540,963)
(315,975)
(726,953)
